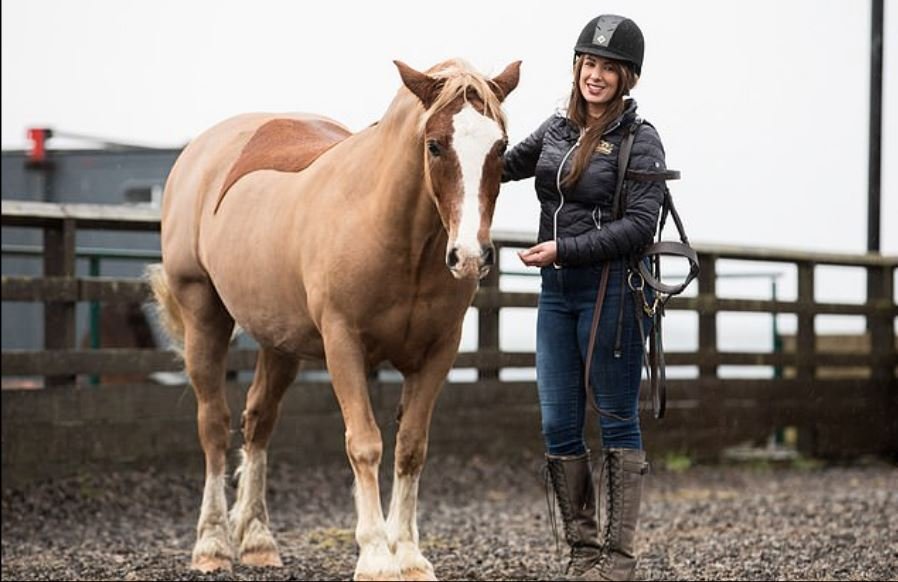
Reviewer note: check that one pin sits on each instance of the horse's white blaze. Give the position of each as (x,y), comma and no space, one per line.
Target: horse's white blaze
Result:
(474,137)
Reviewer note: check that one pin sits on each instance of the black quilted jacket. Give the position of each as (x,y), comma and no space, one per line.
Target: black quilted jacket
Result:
(579,217)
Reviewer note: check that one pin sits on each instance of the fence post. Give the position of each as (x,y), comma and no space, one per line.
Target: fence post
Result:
(707,317)
(777,338)
(59,316)
(805,345)
(879,296)
(488,321)
(96,339)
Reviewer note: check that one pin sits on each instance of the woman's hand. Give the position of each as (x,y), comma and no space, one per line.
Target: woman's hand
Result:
(541,255)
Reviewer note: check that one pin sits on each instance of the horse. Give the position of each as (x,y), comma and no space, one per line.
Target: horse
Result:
(322,244)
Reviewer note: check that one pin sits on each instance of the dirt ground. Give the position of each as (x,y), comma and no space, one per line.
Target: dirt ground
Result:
(479,520)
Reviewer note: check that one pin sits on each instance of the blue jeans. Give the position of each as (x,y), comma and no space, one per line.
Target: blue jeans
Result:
(564,319)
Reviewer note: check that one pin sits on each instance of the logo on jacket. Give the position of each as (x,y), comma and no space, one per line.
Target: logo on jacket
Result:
(604,147)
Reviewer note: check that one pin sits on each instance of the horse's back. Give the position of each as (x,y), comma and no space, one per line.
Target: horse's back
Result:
(221,155)
(286,145)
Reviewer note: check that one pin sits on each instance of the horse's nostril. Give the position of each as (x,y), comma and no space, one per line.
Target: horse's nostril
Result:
(452,258)
(489,256)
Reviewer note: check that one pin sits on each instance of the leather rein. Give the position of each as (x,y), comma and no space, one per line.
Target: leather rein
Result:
(639,276)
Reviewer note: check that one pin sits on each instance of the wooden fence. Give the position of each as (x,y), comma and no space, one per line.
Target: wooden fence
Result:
(833,415)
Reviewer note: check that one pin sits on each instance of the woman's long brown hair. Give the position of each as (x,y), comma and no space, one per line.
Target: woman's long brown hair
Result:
(578,113)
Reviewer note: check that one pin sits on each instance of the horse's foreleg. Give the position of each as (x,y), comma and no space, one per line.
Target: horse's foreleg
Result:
(249,516)
(419,394)
(207,329)
(364,447)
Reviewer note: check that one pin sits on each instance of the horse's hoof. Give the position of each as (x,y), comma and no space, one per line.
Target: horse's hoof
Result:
(359,576)
(206,564)
(419,574)
(262,558)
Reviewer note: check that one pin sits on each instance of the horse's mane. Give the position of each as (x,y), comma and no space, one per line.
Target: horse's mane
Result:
(460,79)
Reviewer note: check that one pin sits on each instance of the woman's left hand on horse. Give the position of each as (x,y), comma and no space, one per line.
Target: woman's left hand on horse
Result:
(541,255)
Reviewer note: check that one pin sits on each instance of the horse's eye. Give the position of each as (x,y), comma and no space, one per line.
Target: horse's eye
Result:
(434,148)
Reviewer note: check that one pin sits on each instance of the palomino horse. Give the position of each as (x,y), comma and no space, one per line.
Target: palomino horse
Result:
(345,260)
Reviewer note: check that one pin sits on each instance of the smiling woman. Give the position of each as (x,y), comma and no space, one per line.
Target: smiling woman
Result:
(589,344)
(599,80)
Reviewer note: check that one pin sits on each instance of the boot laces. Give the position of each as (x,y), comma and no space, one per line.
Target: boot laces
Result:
(550,506)
(613,482)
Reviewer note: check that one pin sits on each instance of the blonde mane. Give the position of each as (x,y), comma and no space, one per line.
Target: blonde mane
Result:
(458,78)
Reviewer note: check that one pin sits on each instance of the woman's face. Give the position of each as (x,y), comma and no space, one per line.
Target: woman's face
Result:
(598,83)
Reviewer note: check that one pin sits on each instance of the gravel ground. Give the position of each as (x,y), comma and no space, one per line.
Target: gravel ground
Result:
(479,520)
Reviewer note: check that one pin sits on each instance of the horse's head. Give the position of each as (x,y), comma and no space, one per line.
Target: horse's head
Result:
(463,139)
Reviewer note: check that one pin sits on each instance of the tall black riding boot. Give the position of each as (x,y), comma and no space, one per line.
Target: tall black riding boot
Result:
(574,489)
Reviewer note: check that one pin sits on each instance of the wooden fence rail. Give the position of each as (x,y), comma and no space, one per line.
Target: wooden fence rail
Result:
(738,406)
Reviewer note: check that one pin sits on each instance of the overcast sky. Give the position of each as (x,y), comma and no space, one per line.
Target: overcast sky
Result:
(762,104)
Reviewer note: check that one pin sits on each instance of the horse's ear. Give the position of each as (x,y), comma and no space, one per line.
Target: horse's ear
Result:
(424,87)
(505,82)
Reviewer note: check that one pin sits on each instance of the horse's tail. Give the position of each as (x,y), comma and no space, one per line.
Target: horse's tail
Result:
(166,306)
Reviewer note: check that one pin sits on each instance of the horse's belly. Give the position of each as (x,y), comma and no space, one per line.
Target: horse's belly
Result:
(285,332)
(265,296)
(274,320)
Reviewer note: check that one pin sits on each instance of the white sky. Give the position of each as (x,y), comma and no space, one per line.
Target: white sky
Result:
(763,104)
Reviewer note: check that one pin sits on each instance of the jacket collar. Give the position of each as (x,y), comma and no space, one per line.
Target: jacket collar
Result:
(625,118)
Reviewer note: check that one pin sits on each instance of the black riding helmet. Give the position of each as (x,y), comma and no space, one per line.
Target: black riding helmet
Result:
(613,37)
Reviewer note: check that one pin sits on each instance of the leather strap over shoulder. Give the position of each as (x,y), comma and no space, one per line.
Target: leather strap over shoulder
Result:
(658,176)
(623,162)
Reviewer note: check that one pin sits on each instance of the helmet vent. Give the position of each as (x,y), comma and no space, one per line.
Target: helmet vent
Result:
(605,27)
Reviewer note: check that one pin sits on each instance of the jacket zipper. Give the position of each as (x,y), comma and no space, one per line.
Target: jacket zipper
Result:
(560,193)
(596,213)
(558,185)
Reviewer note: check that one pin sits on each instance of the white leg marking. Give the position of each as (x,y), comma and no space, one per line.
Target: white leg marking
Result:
(249,516)
(213,538)
(402,529)
(401,523)
(376,561)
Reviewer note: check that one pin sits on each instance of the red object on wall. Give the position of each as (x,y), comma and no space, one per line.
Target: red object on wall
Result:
(38,152)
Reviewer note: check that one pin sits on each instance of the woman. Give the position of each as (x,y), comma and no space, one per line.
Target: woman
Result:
(574,157)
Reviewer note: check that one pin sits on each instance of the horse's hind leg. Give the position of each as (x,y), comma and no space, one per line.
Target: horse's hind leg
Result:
(249,515)
(207,331)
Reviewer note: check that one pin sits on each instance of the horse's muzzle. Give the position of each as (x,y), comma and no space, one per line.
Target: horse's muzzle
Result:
(463,265)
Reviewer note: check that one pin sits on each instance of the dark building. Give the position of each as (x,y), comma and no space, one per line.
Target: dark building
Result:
(113,174)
